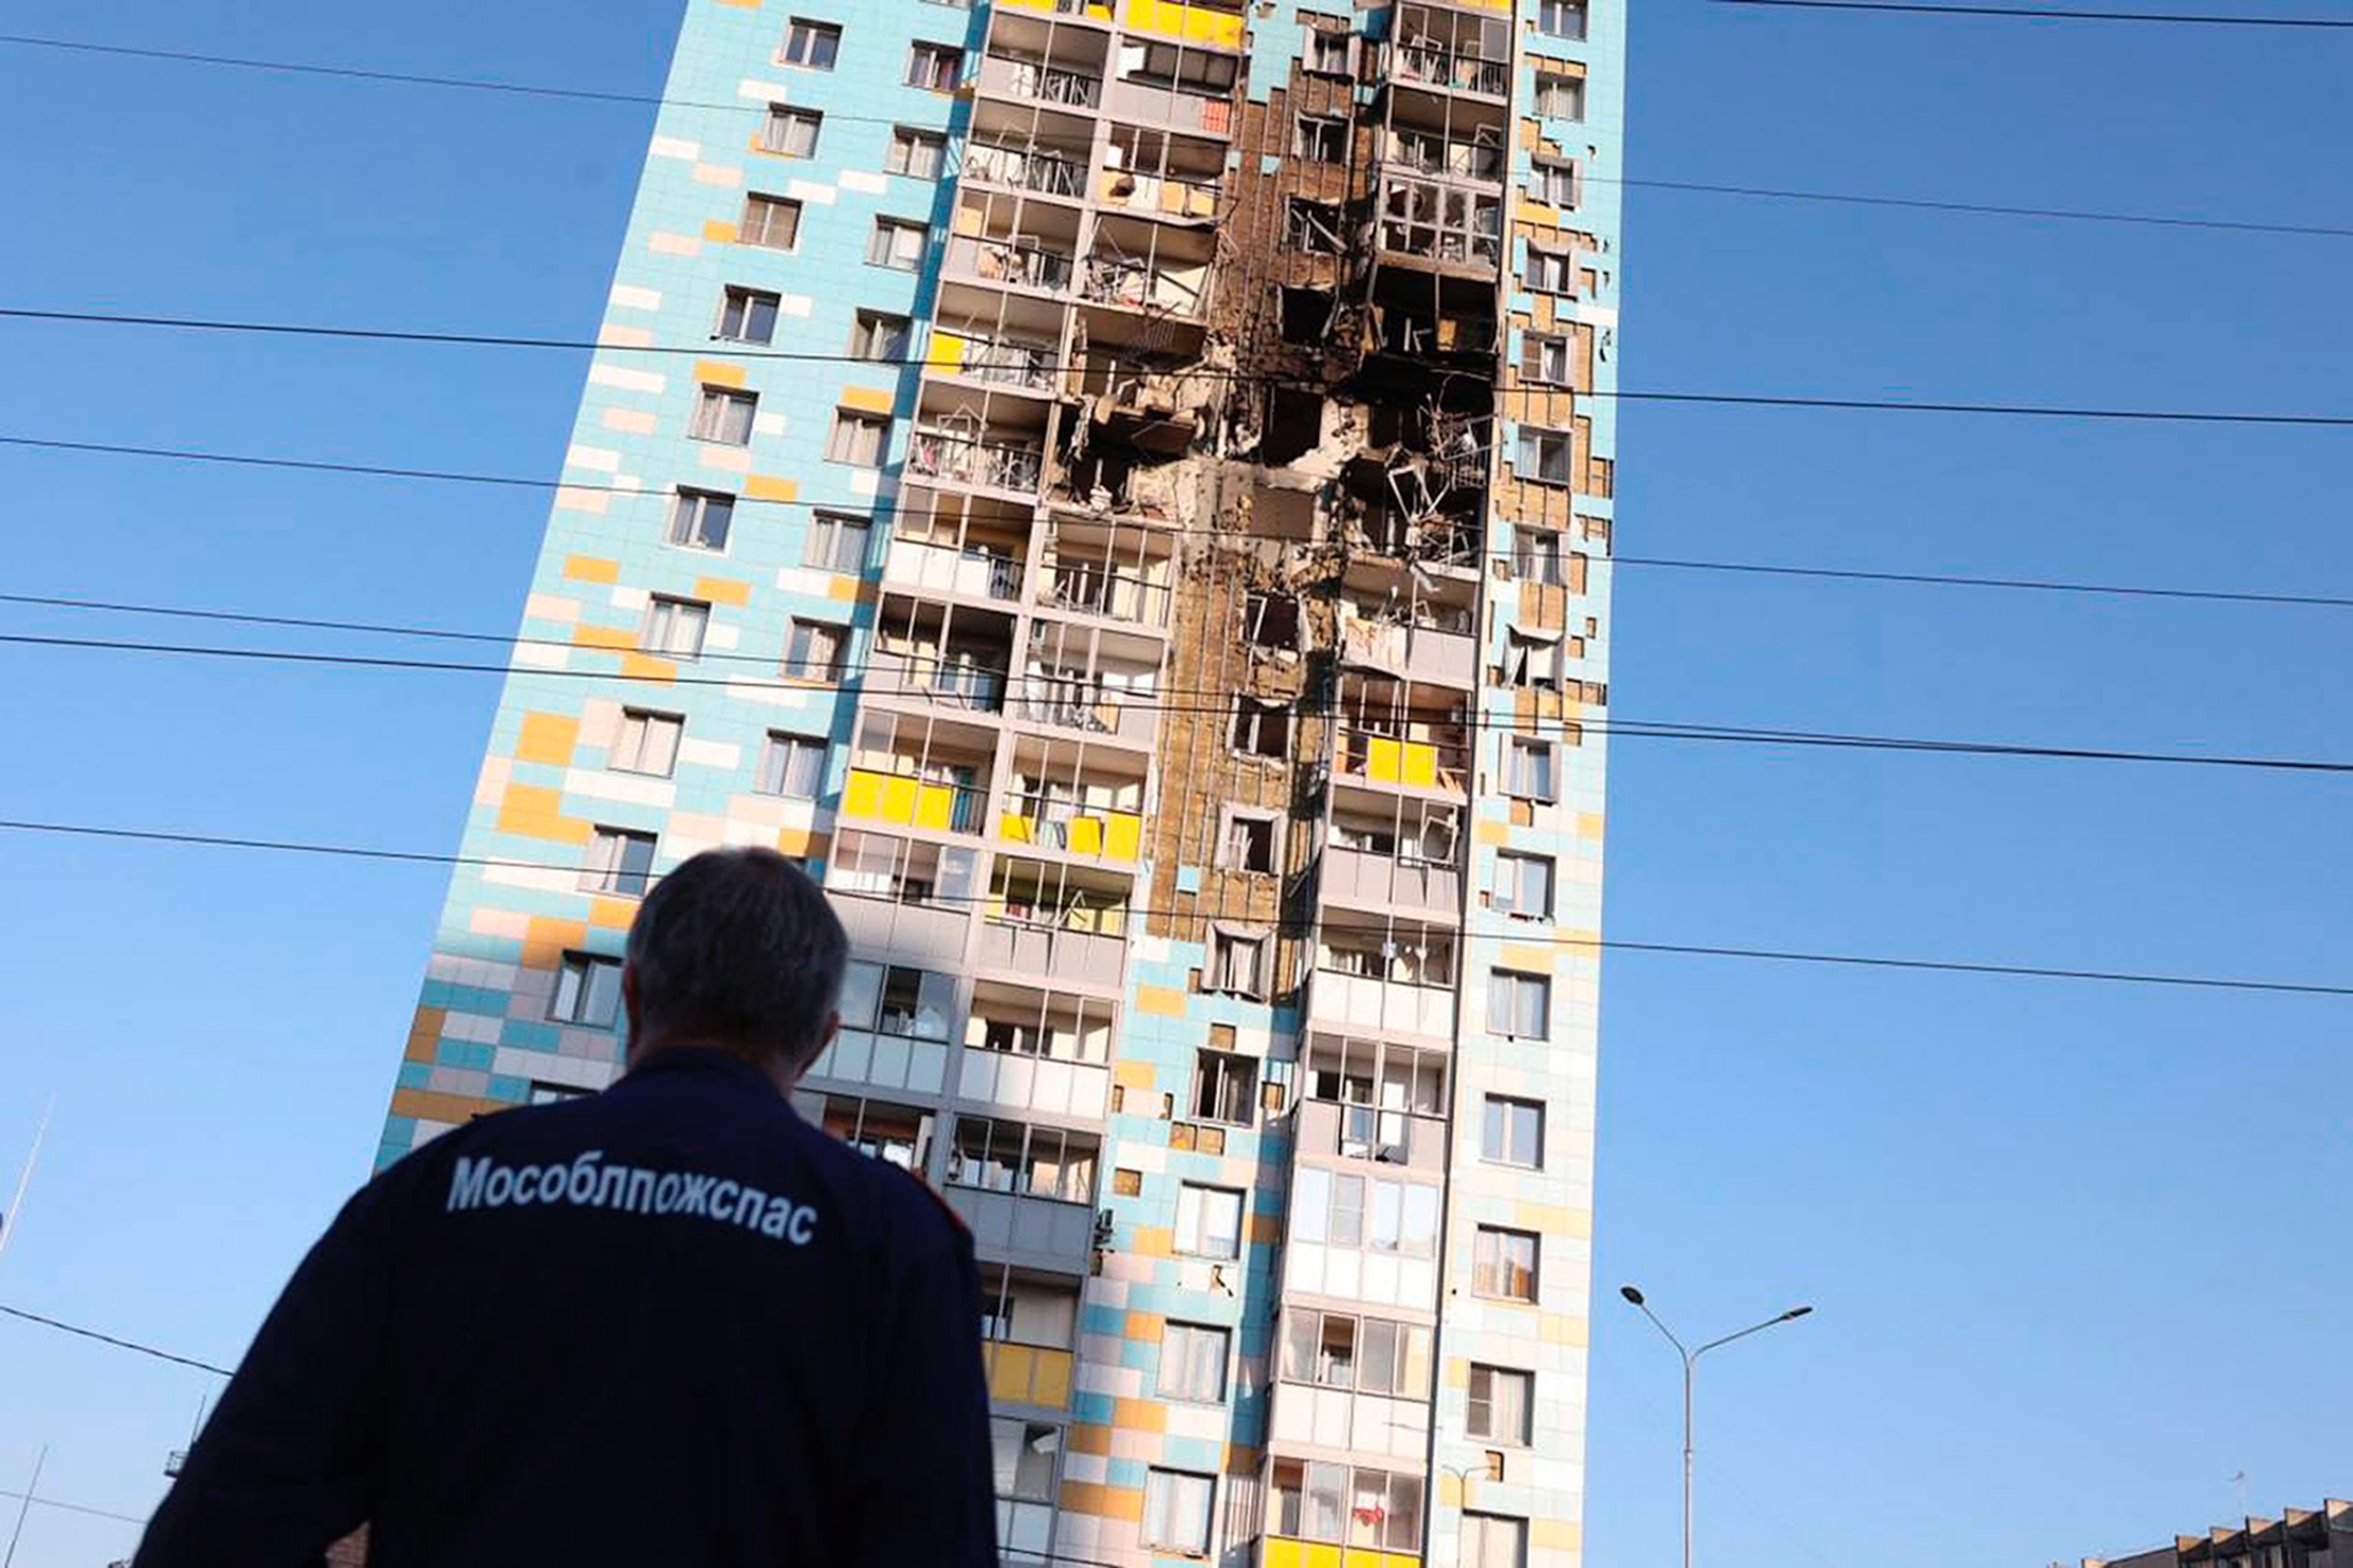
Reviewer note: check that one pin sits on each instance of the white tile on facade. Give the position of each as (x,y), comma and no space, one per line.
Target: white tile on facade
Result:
(622,379)
(631,297)
(672,147)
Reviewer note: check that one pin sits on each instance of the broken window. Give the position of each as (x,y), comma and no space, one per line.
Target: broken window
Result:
(1327,51)
(1320,137)
(1270,619)
(1249,843)
(1306,314)
(1311,226)
(1543,358)
(1294,423)
(1225,1088)
(1548,271)
(1554,183)
(1441,223)
(1536,557)
(1261,728)
(1533,659)
(1237,964)
(1560,97)
(1544,456)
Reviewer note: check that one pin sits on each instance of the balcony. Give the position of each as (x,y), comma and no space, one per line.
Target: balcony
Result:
(905,898)
(1397,977)
(1370,879)
(968,571)
(1055,821)
(1419,650)
(1430,757)
(1440,157)
(1370,1132)
(1035,81)
(1027,1191)
(1456,71)
(1186,24)
(1031,1050)
(939,656)
(911,802)
(1024,168)
(1072,582)
(1449,544)
(1138,286)
(962,458)
(1435,223)
(1029,1326)
(998,361)
(1065,925)
(1179,106)
(1009,262)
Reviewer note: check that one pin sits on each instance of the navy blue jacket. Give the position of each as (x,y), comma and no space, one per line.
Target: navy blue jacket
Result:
(669,1324)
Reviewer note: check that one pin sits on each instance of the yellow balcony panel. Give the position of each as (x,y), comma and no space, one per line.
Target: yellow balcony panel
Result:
(1192,23)
(935,807)
(1016,828)
(1420,763)
(1122,836)
(946,350)
(1384,761)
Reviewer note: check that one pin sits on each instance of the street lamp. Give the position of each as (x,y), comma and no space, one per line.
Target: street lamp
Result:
(1691,1359)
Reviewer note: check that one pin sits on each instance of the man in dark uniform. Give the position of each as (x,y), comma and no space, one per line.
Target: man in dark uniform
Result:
(668,1326)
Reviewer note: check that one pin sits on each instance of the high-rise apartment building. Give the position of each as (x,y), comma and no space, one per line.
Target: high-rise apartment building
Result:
(1116,485)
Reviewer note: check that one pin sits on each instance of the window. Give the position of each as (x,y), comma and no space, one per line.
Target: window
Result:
(770,221)
(1545,359)
(1025,1452)
(1249,843)
(1503,1263)
(934,67)
(1544,456)
(811,45)
(1323,1347)
(1513,1132)
(648,742)
(1234,964)
(674,627)
(916,154)
(1270,619)
(1176,1511)
(1225,1089)
(1311,227)
(588,992)
(1548,271)
(1527,768)
(792,132)
(1554,183)
(1208,1221)
(701,519)
(1365,1213)
(1560,97)
(1193,1364)
(1033,1161)
(837,542)
(748,315)
(1326,53)
(722,414)
(877,335)
(556,1094)
(857,438)
(897,244)
(1536,558)
(1519,1005)
(1321,138)
(1489,1541)
(792,765)
(619,862)
(1532,660)
(1186,68)
(813,650)
(1524,886)
(896,999)
(1561,19)
(1260,729)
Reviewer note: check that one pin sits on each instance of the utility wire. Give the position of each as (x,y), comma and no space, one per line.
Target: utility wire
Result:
(2049,13)
(483,84)
(111,1339)
(1773,955)
(1644,729)
(74,1508)
(718,350)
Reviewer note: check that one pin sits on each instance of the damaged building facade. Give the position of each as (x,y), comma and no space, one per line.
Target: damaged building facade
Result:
(1123,489)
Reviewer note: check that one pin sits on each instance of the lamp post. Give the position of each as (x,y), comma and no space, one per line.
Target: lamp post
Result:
(1690,1360)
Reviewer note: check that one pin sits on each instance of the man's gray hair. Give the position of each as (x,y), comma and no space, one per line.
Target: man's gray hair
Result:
(738,947)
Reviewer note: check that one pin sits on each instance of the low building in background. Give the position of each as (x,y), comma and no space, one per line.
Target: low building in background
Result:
(2302,1538)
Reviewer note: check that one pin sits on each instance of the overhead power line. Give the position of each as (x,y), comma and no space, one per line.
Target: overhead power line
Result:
(1700,187)
(1642,729)
(730,350)
(2052,13)
(39,1501)
(1694,949)
(123,1344)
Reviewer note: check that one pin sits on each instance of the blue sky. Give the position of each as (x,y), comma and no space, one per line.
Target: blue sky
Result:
(2075,1249)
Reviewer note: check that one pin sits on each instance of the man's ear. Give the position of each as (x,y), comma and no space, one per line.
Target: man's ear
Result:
(825,1037)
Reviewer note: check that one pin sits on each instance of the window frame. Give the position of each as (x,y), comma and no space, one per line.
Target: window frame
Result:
(1157,1480)
(934,52)
(1579,11)
(1515,984)
(1537,750)
(719,408)
(793,116)
(1557,80)
(862,422)
(616,880)
(1194,1337)
(645,718)
(767,204)
(1187,1243)
(580,971)
(817,31)
(1482,1277)
(1504,1150)
(1210,1062)
(1318,40)
(1564,282)
(1517,1539)
(792,746)
(1217,975)
(795,667)
(1233,817)
(677,606)
(741,301)
(1531,467)
(912,137)
(865,327)
(882,252)
(829,530)
(1520,862)
(1319,138)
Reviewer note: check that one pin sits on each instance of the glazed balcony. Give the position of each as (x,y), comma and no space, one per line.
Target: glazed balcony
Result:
(1027,1190)
(1028,1049)
(956,458)
(1398,979)
(1010,262)
(1024,167)
(1039,81)
(1065,926)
